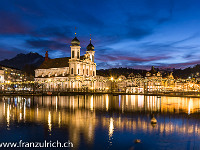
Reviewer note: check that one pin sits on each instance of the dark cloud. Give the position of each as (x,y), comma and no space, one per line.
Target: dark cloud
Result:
(30,9)
(11,23)
(191,37)
(129,58)
(137,33)
(46,44)
(132,33)
(143,24)
(178,65)
(54,31)
(173,46)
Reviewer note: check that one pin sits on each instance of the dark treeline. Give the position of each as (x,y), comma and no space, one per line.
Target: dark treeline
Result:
(187,72)
(116,72)
(177,73)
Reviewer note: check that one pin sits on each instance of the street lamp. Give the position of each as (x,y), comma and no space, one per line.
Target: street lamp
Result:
(111,78)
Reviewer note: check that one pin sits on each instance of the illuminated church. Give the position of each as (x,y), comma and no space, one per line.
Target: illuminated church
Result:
(75,72)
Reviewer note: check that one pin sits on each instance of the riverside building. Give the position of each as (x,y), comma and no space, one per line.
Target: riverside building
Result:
(70,73)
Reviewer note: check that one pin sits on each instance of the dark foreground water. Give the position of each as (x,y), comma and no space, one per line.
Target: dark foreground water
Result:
(103,121)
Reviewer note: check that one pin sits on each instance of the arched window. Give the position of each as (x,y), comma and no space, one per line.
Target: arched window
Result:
(93,73)
(78,71)
(87,71)
(93,58)
(72,71)
(78,55)
(83,71)
(72,54)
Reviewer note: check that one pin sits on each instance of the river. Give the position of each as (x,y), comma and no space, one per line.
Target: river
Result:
(102,121)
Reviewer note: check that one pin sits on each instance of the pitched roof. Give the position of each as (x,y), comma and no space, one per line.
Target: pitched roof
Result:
(55,63)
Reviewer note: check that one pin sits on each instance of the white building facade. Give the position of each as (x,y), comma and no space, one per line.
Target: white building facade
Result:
(75,73)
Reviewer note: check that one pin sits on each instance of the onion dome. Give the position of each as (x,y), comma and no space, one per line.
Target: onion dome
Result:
(75,42)
(90,47)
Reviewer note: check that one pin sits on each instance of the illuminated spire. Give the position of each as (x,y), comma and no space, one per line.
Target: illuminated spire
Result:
(75,31)
(75,41)
(90,47)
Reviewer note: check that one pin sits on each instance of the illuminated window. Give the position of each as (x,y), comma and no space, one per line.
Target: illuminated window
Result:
(72,71)
(93,58)
(78,54)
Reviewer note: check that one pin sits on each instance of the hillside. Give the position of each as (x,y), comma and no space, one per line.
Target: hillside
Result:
(25,62)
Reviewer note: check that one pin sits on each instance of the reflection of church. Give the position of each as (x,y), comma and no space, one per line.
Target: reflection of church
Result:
(69,72)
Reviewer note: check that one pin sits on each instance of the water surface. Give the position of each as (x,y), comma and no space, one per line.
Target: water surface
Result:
(103,121)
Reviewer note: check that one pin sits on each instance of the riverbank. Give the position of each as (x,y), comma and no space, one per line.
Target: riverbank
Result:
(197,95)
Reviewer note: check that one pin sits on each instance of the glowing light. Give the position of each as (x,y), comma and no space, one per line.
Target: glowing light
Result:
(91,103)
(132,100)
(8,116)
(20,116)
(120,97)
(140,101)
(56,103)
(49,121)
(112,78)
(37,111)
(111,128)
(24,110)
(4,108)
(190,105)
(107,102)
(59,119)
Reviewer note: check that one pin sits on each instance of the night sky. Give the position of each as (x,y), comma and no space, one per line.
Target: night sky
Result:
(134,33)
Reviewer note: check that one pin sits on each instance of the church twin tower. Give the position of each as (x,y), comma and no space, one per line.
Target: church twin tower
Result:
(76,65)
(73,72)
(75,49)
(82,65)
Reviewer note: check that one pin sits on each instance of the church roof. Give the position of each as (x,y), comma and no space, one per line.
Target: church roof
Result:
(55,63)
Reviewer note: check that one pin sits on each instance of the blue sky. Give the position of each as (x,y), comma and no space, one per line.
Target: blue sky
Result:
(125,33)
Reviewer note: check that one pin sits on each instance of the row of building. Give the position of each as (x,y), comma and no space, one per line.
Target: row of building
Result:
(78,73)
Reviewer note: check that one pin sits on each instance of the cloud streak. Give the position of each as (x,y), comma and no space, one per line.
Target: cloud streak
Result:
(136,33)
(128,58)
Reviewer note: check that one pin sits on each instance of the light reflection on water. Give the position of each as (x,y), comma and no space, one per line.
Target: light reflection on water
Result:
(87,120)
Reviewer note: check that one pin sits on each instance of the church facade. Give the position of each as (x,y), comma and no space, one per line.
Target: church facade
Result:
(70,73)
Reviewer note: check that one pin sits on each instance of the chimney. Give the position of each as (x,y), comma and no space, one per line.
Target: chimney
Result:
(46,56)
